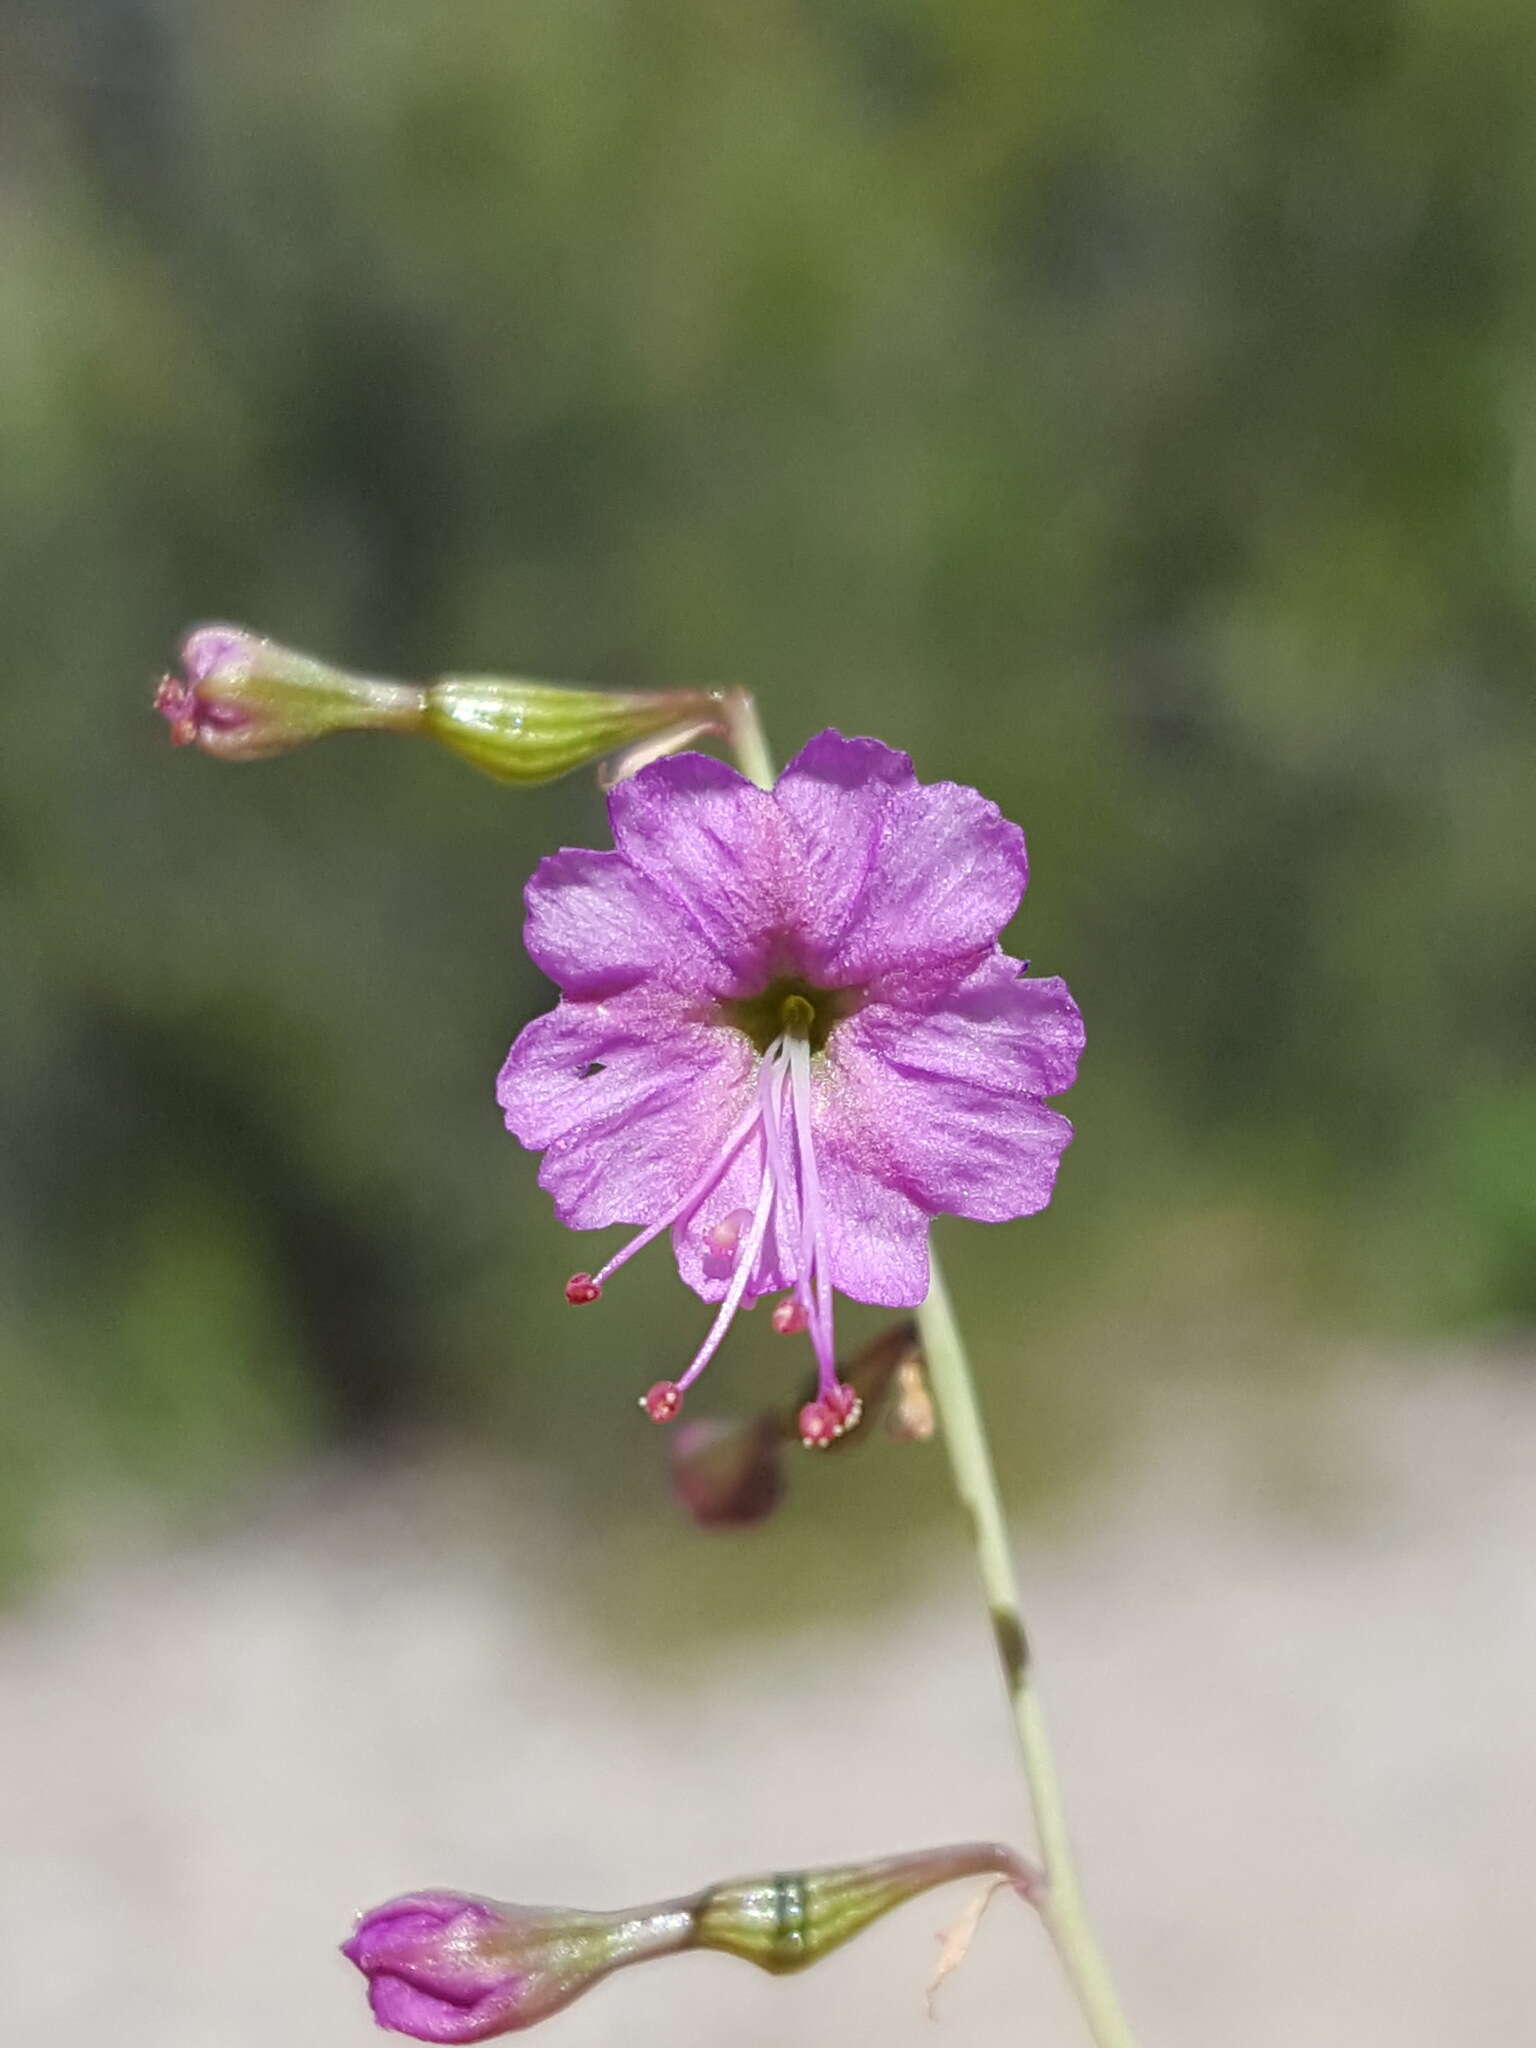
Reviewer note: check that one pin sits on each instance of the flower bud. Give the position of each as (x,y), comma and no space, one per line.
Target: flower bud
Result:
(245,698)
(449,1967)
(728,1474)
(444,1966)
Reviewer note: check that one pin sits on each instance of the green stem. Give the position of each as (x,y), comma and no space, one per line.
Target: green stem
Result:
(975,1476)
(970,1459)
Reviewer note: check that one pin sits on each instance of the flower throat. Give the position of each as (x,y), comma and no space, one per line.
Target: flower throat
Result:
(790,1007)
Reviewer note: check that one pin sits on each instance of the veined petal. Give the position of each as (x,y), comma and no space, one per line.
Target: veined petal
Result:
(832,802)
(596,925)
(948,1105)
(708,840)
(995,1025)
(628,1099)
(877,1234)
(404,2008)
(947,872)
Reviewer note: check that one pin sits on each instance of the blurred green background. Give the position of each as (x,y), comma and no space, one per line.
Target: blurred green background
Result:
(1131,410)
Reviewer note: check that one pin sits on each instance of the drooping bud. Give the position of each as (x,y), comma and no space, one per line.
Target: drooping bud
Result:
(245,698)
(449,1967)
(728,1474)
(242,697)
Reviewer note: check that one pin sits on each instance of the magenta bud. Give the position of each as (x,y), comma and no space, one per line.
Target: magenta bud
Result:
(728,1474)
(445,1966)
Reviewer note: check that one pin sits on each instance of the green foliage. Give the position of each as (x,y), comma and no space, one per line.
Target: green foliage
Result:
(1127,410)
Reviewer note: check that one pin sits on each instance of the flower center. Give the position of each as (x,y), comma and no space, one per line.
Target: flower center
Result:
(788,1205)
(790,1008)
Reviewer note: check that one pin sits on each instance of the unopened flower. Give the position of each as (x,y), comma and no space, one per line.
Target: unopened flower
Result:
(242,697)
(788,1035)
(728,1473)
(449,1967)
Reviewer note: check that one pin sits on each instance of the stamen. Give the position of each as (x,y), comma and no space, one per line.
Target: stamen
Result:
(724,1236)
(725,1315)
(813,1261)
(798,1016)
(709,1178)
(662,1401)
(721,1241)
(830,1416)
(784,1181)
(789,1187)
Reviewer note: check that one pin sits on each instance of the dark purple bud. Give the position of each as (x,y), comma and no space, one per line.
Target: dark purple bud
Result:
(728,1474)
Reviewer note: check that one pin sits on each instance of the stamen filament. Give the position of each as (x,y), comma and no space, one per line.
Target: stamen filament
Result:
(813,1261)
(709,1178)
(746,1260)
(778,1160)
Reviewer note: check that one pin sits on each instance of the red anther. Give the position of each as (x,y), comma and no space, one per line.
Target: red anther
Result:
(581,1287)
(823,1421)
(818,1427)
(789,1315)
(663,1400)
(845,1404)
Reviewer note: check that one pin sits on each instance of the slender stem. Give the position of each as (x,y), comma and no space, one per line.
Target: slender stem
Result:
(970,1457)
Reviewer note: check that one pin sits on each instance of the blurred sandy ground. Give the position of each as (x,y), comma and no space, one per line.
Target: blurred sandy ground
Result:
(1295,1723)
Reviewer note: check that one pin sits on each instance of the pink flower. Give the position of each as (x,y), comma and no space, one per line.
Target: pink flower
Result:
(788,1035)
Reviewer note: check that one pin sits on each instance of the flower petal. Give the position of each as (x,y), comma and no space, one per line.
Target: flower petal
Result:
(995,1025)
(947,872)
(948,1105)
(596,925)
(628,1099)
(832,802)
(402,2008)
(708,840)
(877,1235)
